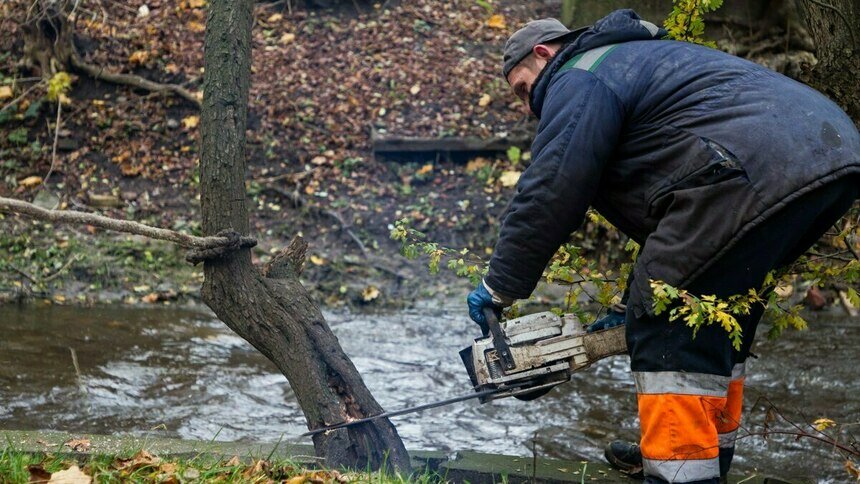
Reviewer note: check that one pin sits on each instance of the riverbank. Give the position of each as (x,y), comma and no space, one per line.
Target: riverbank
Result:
(155,459)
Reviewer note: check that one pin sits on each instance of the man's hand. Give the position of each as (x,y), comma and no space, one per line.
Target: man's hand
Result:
(614,318)
(479,299)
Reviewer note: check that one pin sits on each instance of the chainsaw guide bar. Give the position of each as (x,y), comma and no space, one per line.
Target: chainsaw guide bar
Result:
(524,358)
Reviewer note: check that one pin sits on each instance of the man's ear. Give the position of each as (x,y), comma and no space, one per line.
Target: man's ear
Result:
(542,51)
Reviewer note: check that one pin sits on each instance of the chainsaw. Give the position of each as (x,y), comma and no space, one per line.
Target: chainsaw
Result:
(524,358)
(527,356)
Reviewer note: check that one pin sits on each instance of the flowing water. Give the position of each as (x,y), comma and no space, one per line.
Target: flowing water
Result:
(187,375)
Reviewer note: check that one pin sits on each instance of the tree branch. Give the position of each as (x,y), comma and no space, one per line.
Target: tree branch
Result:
(10,205)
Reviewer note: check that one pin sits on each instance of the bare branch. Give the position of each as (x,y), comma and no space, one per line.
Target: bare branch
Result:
(10,205)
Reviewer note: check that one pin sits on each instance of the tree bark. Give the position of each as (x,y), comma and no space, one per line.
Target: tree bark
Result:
(274,312)
(835,27)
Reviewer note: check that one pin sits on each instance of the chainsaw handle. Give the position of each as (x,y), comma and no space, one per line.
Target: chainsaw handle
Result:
(499,342)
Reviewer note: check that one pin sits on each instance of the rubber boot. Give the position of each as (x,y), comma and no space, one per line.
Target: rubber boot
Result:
(625,457)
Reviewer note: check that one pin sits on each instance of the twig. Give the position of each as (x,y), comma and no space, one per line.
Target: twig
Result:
(15,101)
(77,370)
(24,273)
(132,80)
(11,205)
(60,271)
(56,138)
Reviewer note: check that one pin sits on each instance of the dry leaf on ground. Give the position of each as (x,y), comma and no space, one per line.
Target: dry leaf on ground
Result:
(5,92)
(72,475)
(38,473)
(370,293)
(190,122)
(497,22)
(509,178)
(141,459)
(78,445)
(30,181)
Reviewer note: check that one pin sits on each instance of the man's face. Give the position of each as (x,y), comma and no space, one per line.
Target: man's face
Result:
(522,77)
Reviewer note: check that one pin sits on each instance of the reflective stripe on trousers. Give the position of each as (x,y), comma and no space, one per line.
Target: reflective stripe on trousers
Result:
(687,419)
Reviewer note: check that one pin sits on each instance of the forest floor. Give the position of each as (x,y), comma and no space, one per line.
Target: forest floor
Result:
(322,82)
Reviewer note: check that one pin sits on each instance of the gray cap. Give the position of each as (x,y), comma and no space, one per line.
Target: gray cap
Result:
(533,33)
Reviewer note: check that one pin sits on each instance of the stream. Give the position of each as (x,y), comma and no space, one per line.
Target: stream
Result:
(182,373)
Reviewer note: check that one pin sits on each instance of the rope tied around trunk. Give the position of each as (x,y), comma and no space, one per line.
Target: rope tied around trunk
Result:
(219,248)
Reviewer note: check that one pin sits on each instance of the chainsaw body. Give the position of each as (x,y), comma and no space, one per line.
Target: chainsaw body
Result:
(532,354)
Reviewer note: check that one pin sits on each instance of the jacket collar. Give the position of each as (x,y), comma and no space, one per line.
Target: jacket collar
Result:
(619,26)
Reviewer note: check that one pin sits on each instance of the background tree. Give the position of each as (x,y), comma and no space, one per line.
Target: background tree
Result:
(835,28)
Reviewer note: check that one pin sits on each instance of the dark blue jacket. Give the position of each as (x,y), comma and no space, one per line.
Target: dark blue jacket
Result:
(682,147)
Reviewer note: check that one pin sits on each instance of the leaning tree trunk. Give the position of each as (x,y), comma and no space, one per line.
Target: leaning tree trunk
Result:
(835,27)
(272,310)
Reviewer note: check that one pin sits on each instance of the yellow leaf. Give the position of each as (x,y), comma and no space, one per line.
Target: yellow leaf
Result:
(196,3)
(823,424)
(287,38)
(497,22)
(191,122)
(474,165)
(195,26)
(370,293)
(30,181)
(415,89)
(139,57)
(5,92)
(58,86)
(72,475)
(484,101)
(425,169)
(509,178)
(275,17)
(317,260)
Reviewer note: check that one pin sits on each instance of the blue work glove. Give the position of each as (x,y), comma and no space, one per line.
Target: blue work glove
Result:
(477,300)
(611,320)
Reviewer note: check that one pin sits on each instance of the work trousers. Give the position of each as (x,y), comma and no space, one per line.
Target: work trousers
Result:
(690,389)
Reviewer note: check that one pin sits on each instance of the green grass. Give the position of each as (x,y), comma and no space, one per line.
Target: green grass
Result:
(142,467)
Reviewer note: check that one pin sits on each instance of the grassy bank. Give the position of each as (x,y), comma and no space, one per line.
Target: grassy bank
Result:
(144,467)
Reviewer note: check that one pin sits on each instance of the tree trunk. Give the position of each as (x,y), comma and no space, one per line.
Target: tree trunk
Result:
(47,36)
(835,27)
(273,311)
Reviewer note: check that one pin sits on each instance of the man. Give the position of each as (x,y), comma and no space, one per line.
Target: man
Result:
(722,169)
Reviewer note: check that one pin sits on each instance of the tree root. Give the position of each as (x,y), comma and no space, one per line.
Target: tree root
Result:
(132,80)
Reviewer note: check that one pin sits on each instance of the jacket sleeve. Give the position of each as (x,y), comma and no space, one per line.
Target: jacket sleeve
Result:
(577,134)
